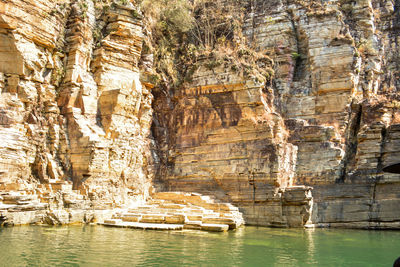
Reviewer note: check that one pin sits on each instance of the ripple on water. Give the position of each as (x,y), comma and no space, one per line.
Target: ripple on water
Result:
(250,246)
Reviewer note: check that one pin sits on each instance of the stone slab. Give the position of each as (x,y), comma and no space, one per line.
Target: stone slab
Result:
(215,227)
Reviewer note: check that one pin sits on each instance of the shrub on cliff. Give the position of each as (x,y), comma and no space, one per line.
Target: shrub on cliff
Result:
(184,34)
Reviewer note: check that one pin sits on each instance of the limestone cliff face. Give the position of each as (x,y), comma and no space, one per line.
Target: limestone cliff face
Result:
(306,145)
(328,120)
(74,115)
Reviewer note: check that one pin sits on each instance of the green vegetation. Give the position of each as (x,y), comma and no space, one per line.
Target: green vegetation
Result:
(296,55)
(188,34)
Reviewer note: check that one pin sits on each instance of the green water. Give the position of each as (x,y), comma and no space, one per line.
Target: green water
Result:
(250,246)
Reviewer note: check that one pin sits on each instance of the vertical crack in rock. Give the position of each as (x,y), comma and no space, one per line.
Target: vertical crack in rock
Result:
(374,209)
(382,150)
(299,55)
(351,142)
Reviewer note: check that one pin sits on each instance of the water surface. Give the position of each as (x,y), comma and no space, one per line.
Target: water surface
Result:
(249,246)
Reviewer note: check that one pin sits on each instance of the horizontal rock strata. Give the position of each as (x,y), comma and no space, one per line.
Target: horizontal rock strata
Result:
(331,122)
(177,211)
(74,115)
(85,128)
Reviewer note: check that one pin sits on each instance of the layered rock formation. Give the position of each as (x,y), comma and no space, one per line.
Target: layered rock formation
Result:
(328,119)
(177,211)
(229,143)
(305,145)
(75,117)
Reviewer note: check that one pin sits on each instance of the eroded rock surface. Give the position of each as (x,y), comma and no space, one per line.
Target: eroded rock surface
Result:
(177,211)
(328,120)
(305,146)
(74,115)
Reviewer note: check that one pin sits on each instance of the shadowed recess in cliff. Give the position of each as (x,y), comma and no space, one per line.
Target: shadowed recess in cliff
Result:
(351,140)
(228,110)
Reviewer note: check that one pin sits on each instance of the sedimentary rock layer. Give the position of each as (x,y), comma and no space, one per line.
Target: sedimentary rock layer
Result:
(74,115)
(305,145)
(332,122)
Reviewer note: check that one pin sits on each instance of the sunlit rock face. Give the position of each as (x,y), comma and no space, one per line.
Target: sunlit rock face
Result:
(307,147)
(74,115)
(331,121)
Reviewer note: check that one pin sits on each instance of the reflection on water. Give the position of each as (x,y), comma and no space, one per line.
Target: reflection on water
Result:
(309,234)
(250,246)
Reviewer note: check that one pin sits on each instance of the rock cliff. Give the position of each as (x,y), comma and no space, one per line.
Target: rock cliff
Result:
(326,120)
(287,109)
(75,117)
